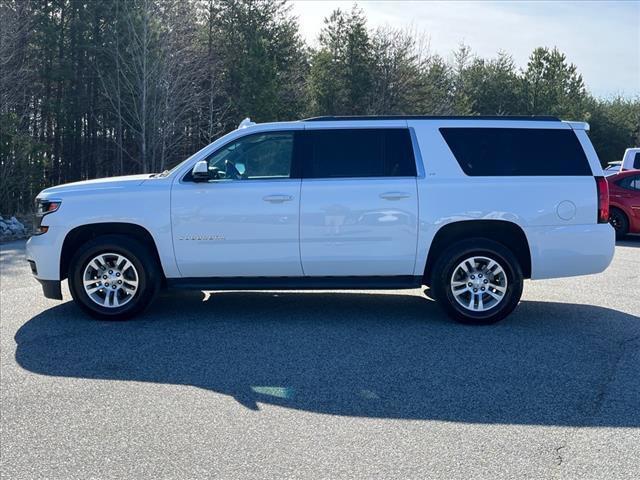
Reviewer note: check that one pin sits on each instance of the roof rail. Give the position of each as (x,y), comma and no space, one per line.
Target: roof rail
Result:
(329,118)
(578,125)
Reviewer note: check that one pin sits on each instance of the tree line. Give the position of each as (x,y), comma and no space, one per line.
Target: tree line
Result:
(97,88)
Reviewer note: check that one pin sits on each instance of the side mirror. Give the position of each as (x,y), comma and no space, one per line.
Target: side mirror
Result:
(200,172)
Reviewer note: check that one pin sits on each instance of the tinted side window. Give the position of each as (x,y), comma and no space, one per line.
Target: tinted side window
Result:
(631,183)
(517,151)
(339,153)
(636,161)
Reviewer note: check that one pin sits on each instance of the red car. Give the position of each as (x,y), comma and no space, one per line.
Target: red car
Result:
(624,202)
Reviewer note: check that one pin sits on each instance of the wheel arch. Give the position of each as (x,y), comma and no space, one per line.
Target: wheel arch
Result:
(507,233)
(83,233)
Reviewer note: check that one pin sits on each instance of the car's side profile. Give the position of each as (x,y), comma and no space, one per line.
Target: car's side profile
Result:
(624,194)
(470,206)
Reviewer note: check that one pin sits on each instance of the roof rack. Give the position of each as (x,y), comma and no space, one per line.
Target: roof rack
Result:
(433,117)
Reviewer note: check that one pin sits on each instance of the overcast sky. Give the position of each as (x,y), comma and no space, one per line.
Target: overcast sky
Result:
(602,38)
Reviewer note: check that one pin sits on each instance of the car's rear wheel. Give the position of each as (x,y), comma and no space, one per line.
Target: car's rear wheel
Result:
(477,281)
(619,221)
(113,277)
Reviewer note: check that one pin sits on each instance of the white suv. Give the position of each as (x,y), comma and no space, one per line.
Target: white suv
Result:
(469,206)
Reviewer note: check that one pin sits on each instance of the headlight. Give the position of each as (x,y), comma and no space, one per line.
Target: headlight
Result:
(44,207)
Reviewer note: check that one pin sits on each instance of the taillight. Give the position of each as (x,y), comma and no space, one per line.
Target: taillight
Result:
(603,199)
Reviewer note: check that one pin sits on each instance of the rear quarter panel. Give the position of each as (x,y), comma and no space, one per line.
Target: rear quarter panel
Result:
(557,214)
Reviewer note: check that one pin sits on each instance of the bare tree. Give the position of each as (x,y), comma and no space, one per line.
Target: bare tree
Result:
(155,86)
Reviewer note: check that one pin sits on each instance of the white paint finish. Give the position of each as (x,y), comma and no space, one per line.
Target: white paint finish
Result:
(566,210)
(590,152)
(525,201)
(346,226)
(45,250)
(579,125)
(349,228)
(629,159)
(255,236)
(135,200)
(565,251)
(448,195)
(522,200)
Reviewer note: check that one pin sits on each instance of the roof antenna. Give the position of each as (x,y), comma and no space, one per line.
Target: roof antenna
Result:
(246,123)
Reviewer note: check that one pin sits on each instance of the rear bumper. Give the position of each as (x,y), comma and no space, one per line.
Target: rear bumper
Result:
(570,250)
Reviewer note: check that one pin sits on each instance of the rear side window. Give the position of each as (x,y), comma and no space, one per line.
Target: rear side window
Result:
(636,161)
(340,153)
(517,151)
(632,182)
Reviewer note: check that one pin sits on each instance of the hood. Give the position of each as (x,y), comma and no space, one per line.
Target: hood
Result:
(96,184)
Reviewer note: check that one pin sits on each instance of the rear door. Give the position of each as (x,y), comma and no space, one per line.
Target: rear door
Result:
(359,205)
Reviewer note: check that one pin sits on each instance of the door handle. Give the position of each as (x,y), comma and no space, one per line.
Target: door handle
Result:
(277,198)
(394,195)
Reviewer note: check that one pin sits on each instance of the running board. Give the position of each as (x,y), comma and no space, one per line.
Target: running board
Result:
(296,283)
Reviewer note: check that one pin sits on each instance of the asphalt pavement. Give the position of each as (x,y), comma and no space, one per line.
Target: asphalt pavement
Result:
(323,384)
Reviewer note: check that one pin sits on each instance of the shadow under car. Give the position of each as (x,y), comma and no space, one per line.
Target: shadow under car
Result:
(356,354)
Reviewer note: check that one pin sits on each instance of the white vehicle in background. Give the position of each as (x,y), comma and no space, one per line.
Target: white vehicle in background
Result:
(630,161)
(612,168)
(470,206)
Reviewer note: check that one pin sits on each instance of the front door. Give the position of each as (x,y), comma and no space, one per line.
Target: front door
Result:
(243,222)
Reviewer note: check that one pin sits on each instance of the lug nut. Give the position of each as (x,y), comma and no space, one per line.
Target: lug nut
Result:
(482,288)
(472,277)
(475,289)
(470,284)
(485,281)
(480,276)
(110,272)
(113,286)
(119,281)
(117,274)
(104,276)
(106,283)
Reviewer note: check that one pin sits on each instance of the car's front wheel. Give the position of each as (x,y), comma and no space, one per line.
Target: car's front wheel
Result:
(113,277)
(477,281)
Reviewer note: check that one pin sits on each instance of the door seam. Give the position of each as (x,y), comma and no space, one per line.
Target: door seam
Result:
(300,228)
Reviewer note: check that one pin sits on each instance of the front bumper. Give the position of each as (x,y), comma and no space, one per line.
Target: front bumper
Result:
(51,289)
(43,255)
(44,250)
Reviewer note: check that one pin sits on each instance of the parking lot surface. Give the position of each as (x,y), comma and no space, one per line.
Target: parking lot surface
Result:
(323,385)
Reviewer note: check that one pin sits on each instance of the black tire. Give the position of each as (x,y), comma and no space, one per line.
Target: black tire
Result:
(446,266)
(148,271)
(619,222)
